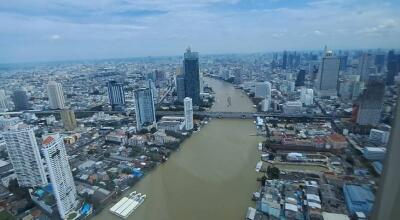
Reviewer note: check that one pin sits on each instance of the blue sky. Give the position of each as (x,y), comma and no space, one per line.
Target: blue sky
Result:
(47,30)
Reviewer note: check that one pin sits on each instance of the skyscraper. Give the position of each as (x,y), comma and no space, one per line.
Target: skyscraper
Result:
(144,108)
(116,95)
(180,87)
(301,77)
(328,74)
(343,63)
(369,103)
(24,155)
(188,108)
(60,174)
(262,90)
(379,62)
(56,95)
(392,68)
(20,99)
(365,62)
(237,72)
(3,100)
(192,76)
(68,119)
(284,60)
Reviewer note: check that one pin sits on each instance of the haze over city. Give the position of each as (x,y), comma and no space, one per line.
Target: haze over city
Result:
(45,30)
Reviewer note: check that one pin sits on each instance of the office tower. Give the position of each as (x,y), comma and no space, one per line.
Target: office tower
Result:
(24,155)
(343,63)
(369,104)
(60,174)
(20,99)
(201,82)
(392,68)
(301,77)
(68,119)
(56,95)
(180,87)
(144,108)
(3,100)
(388,195)
(364,64)
(284,60)
(116,95)
(379,62)
(265,105)
(188,107)
(262,90)
(192,77)
(328,74)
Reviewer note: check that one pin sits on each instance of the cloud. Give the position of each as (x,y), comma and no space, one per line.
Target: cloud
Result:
(55,37)
(317,32)
(385,27)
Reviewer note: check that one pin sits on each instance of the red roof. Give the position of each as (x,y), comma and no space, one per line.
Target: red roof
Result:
(337,137)
(48,140)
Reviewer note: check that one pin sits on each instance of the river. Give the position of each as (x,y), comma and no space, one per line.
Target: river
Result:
(212,176)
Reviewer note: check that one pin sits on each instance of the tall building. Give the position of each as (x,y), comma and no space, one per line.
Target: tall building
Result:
(192,76)
(68,119)
(388,196)
(116,95)
(180,87)
(301,77)
(343,63)
(24,155)
(262,90)
(3,100)
(56,95)
(60,174)
(369,104)
(188,108)
(284,60)
(366,61)
(392,68)
(379,62)
(238,75)
(327,79)
(307,96)
(21,99)
(144,108)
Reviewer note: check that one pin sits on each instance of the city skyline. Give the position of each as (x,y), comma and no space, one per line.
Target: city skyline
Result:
(47,31)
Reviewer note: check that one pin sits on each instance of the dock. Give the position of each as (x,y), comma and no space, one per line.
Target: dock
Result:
(127,205)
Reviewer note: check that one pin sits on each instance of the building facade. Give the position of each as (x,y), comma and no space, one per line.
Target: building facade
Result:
(25,155)
(68,119)
(21,100)
(116,95)
(60,174)
(56,95)
(144,108)
(192,76)
(327,79)
(369,104)
(188,108)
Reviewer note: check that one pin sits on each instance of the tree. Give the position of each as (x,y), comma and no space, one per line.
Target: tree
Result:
(153,130)
(273,172)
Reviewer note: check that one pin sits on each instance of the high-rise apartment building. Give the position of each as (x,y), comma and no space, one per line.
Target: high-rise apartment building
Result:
(188,109)
(60,174)
(284,60)
(116,95)
(192,76)
(365,63)
(3,100)
(180,87)
(144,108)
(24,155)
(56,95)
(262,90)
(68,119)
(392,67)
(327,79)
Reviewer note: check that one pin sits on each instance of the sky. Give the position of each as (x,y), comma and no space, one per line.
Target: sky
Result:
(50,30)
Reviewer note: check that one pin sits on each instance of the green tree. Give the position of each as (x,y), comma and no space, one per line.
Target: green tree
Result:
(273,172)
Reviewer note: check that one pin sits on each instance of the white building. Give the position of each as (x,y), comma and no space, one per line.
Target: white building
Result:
(144,108)
(328,74)
(56,95)
(292,107)
(60,174)
(25,155)
(262,90)
(379,136)
(265,105)
(187,103)
(307,96)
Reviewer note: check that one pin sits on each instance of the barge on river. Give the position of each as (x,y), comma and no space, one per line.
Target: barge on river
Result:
(127,205)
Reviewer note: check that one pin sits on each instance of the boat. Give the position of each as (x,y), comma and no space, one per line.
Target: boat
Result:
(258,166)
(127,205)
(260,146)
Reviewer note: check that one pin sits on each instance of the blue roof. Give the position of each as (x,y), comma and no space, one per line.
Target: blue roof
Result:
(85,208)
(378,167)
(358,198)
(48,188)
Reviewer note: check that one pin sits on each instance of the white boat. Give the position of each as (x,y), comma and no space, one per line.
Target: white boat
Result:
(127,205)
(260,146)
(258,166)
